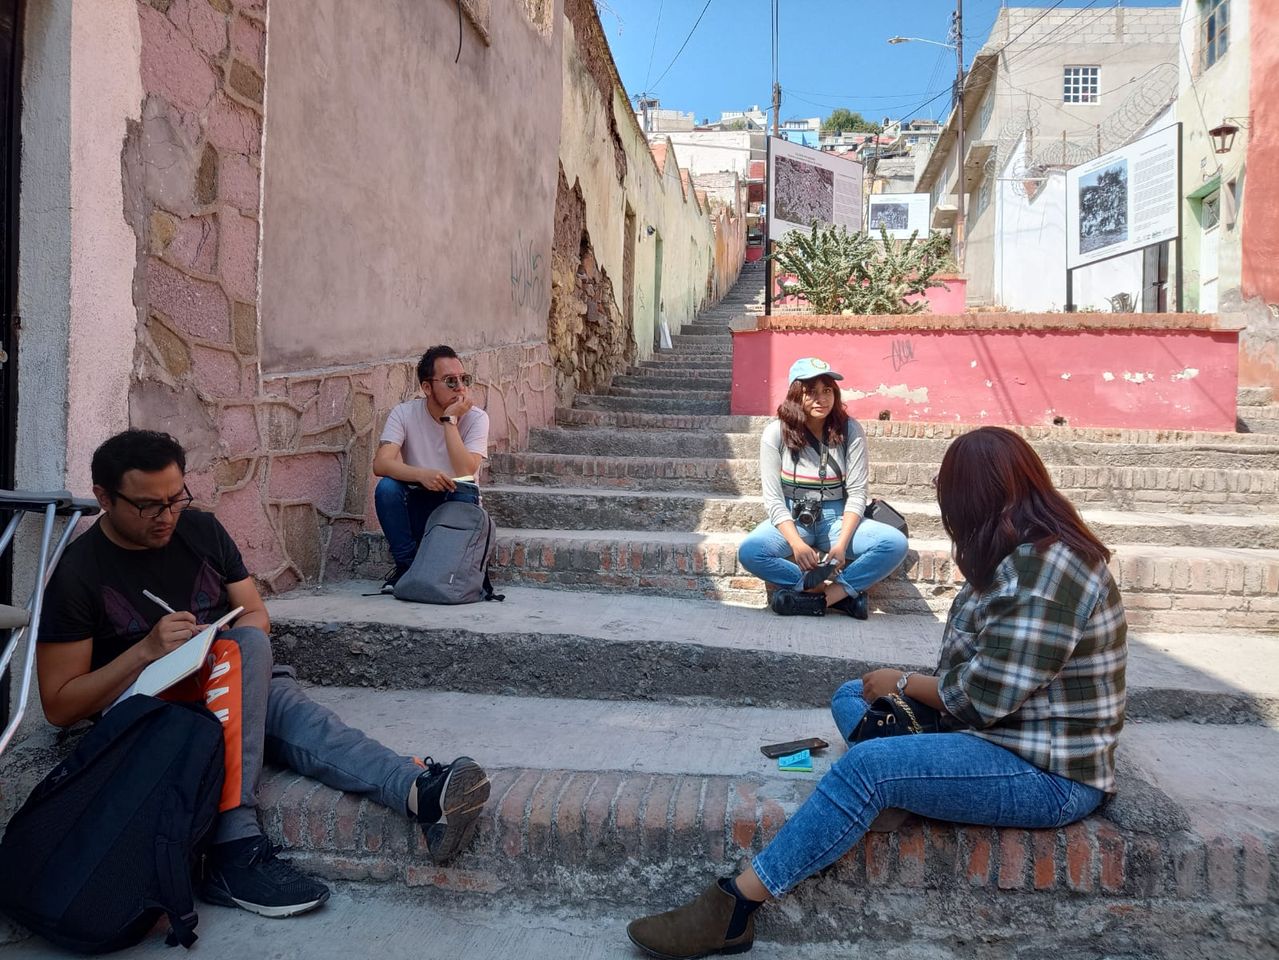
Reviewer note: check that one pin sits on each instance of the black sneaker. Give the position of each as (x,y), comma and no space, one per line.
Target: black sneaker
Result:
(856,605)
(793,603)
(247,874)
(449,801)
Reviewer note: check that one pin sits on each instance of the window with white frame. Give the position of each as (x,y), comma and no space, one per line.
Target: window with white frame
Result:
(1079,85)
(1214,35)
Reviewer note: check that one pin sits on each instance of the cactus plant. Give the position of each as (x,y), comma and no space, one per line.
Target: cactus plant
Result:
(840,272)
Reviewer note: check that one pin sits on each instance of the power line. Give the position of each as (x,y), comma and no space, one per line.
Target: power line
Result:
(653,49)
(684,44)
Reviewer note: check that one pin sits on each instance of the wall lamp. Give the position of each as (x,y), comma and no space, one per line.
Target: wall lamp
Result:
(1224,133)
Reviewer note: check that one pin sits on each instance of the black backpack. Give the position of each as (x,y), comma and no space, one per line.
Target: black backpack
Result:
(106,842)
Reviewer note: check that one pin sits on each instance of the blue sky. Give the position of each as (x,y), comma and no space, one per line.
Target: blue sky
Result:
(834,53)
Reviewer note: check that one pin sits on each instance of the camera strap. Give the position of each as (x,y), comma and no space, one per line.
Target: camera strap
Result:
(824,462)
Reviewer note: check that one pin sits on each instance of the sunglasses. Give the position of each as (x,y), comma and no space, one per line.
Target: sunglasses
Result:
(452,382)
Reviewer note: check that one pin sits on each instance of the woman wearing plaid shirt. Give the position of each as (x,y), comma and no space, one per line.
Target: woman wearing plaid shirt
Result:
(1030,681)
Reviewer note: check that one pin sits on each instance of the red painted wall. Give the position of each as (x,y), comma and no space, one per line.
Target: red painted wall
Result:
(1169,379)
(1261,188)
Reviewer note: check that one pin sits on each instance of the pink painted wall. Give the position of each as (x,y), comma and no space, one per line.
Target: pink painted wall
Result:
(949,296)
(1259,353)
(1163,378)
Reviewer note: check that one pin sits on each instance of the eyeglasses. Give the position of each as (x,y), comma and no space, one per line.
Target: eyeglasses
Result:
(934,480)
(465,380)
(150,510)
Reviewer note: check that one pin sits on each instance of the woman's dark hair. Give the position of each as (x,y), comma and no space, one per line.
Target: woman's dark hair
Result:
(995,494)
(426,366)
(145,450)
(795,424)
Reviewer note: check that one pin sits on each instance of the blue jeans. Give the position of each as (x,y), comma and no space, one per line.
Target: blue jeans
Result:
(403,509)
(876,550)
(944,776)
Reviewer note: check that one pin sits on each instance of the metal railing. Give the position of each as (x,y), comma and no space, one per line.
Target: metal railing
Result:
(24,622)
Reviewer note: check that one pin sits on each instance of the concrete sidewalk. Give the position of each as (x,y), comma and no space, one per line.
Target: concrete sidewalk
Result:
(360,922)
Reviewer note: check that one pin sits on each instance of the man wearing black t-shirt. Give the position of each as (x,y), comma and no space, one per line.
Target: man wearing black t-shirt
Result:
(104,621)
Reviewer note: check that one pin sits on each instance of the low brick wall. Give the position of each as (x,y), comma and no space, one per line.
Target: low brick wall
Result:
(1156,371)
(651,840)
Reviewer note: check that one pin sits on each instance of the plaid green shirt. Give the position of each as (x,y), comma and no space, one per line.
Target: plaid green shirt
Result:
(1036,663)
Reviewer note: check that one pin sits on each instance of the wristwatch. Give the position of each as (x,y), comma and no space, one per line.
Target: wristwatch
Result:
(448,419)
(903,680)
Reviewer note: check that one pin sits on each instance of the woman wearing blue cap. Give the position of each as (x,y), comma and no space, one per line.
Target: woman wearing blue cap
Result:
(815,546)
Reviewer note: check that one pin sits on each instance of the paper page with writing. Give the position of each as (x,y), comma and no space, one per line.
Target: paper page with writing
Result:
(179,663)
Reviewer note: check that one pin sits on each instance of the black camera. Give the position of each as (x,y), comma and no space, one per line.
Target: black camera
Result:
(806,511)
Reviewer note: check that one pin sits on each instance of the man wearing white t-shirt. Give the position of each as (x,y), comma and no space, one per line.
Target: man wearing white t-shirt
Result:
(427,443)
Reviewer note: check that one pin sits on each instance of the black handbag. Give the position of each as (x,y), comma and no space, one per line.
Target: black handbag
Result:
(895,715)
(881,511)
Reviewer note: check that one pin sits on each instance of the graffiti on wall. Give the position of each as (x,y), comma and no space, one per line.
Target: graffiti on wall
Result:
(530,286)
(902,354)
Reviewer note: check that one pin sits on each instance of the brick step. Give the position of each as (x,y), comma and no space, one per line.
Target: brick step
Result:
(686,370)
(637,442)
(651,380)
(1262,420)
(1164,586)
(923,429)
(671,365)
(659,799)
(1255,396)
(1190,490)
(697,346)
(647,405)
(592,508)
(617,646)
(680,392)
(705,330)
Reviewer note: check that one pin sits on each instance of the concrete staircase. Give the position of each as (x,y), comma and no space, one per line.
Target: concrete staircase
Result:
(619,702)
(1257,410)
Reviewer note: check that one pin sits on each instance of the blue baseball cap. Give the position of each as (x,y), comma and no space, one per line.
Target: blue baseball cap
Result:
(806,368)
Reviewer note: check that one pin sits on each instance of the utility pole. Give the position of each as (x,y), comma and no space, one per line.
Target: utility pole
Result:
(960,187)
(777,109)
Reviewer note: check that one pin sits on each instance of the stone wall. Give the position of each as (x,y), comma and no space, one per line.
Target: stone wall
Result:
(589,336)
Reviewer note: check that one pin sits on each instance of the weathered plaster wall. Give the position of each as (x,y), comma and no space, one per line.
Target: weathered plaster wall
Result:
(44,248)
(605,155)
(283,457)
(1174,371)
(710,151)
(407,198)
(1259,343)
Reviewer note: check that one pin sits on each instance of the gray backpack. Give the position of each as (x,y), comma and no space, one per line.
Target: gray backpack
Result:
(452,560)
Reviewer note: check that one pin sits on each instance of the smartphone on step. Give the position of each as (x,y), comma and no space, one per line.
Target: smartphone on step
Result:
(775,750)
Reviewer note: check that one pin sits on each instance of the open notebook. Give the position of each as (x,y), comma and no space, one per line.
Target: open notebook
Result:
(180,663)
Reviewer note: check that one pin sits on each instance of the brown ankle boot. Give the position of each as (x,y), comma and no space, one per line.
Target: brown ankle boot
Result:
(695,929)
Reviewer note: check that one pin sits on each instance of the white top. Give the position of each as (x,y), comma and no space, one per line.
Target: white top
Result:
(421,439)
(775,461)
